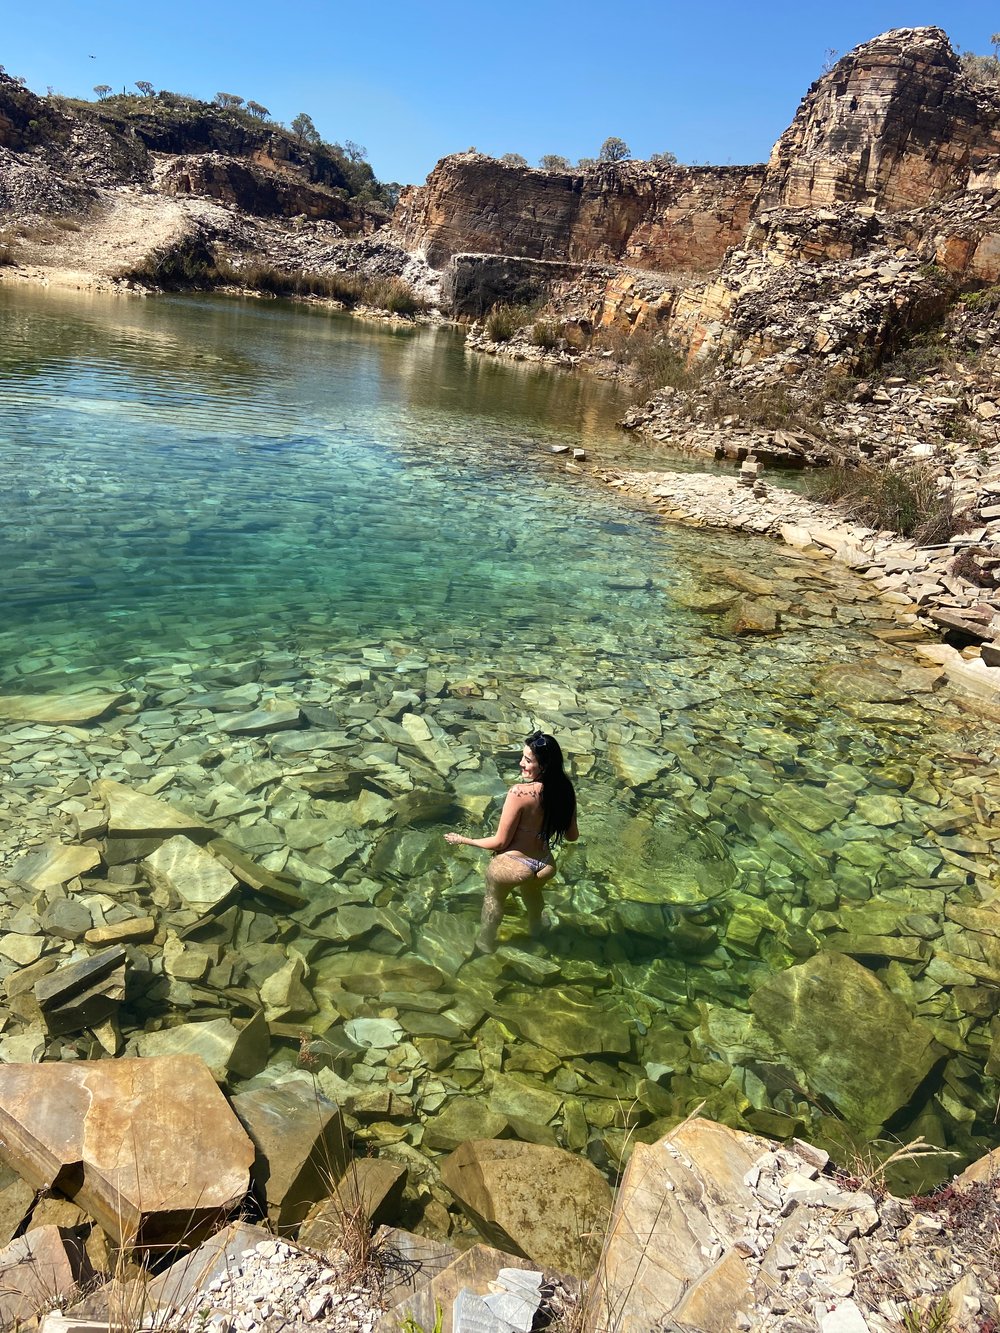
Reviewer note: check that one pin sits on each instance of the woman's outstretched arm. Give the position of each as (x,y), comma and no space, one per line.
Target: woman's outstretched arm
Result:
(509,816)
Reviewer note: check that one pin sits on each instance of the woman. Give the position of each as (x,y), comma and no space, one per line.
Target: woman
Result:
(538,812)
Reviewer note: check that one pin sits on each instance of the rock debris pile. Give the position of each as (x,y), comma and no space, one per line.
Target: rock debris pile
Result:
(711,1229)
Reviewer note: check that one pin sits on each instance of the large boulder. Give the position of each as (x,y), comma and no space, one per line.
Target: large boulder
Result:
(301,1147)
(679,1200)
(856,1041)
(149,1148)
(528,1199)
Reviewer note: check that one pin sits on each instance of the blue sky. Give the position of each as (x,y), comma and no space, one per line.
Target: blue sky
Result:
(412,82)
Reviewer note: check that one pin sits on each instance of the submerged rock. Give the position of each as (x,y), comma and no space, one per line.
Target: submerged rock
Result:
(72,707)
(856,1041)
(195,876)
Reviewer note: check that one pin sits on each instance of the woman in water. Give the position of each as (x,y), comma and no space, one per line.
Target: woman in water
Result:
(538,812)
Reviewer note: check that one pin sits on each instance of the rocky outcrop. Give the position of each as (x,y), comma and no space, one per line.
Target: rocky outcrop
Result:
(245,185)
(640,213)
(894,125)
(148,1164)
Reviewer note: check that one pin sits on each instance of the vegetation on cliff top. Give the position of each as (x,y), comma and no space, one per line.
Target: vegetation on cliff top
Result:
(165,121)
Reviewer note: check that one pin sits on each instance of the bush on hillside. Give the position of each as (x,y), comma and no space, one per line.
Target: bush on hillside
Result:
(907,498)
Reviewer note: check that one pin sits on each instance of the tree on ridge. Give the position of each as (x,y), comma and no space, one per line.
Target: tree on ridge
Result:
(614,149)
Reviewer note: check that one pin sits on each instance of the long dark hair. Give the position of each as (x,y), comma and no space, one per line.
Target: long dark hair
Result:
(558,796)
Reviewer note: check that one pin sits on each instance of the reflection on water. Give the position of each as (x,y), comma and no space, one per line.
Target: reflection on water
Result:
(226,504)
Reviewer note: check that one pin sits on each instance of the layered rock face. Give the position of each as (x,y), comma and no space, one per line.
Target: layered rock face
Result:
(637,213)
(254,189)
(896,125)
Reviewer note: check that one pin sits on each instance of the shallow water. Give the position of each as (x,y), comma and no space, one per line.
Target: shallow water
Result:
(204,495)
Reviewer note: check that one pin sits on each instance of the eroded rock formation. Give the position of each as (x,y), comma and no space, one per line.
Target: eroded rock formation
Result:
(895,125)
(652,216)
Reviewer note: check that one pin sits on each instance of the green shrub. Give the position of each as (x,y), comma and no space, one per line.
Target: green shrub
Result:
(188,263)
(192,264)
(906,498)
(983,302)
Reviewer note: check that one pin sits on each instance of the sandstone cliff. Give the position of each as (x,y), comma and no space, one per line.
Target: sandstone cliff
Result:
(895,152)
(895,125)
(639,213)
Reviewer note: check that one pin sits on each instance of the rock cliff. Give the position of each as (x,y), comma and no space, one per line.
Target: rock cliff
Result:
(638,213)
(896,125)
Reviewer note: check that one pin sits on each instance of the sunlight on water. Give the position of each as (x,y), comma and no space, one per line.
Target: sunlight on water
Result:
(219,503)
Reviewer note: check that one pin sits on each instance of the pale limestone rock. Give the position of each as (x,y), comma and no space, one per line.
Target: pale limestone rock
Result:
(156,1150)
(679,1200)
(194,875)
(54,865)
(135,815)
(845,1317)
(540,1202)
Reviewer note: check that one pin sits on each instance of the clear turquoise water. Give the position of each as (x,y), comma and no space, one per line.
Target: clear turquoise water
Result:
(191,481)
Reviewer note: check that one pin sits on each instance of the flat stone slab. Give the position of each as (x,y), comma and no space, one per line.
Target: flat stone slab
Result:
(133,814)
(224,1047)
(545,1204)
(855,1040)
(275,715)
(55,864)
(197,878)
(149,1148)
(37,1270)
(71,708)
(267,882)
(679,1199)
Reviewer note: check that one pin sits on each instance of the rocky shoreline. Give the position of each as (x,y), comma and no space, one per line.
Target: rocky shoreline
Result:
(923,585)
(710,1230)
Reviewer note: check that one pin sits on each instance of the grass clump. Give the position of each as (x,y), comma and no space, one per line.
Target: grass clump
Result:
(984,302)
(504,320)
(769,408)
(657,362)
(546,334)
(192,264)
(907,499)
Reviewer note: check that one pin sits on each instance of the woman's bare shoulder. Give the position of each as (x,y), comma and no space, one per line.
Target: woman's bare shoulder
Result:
(526,791)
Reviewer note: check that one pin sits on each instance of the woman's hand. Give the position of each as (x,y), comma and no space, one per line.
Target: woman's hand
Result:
(453,837)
